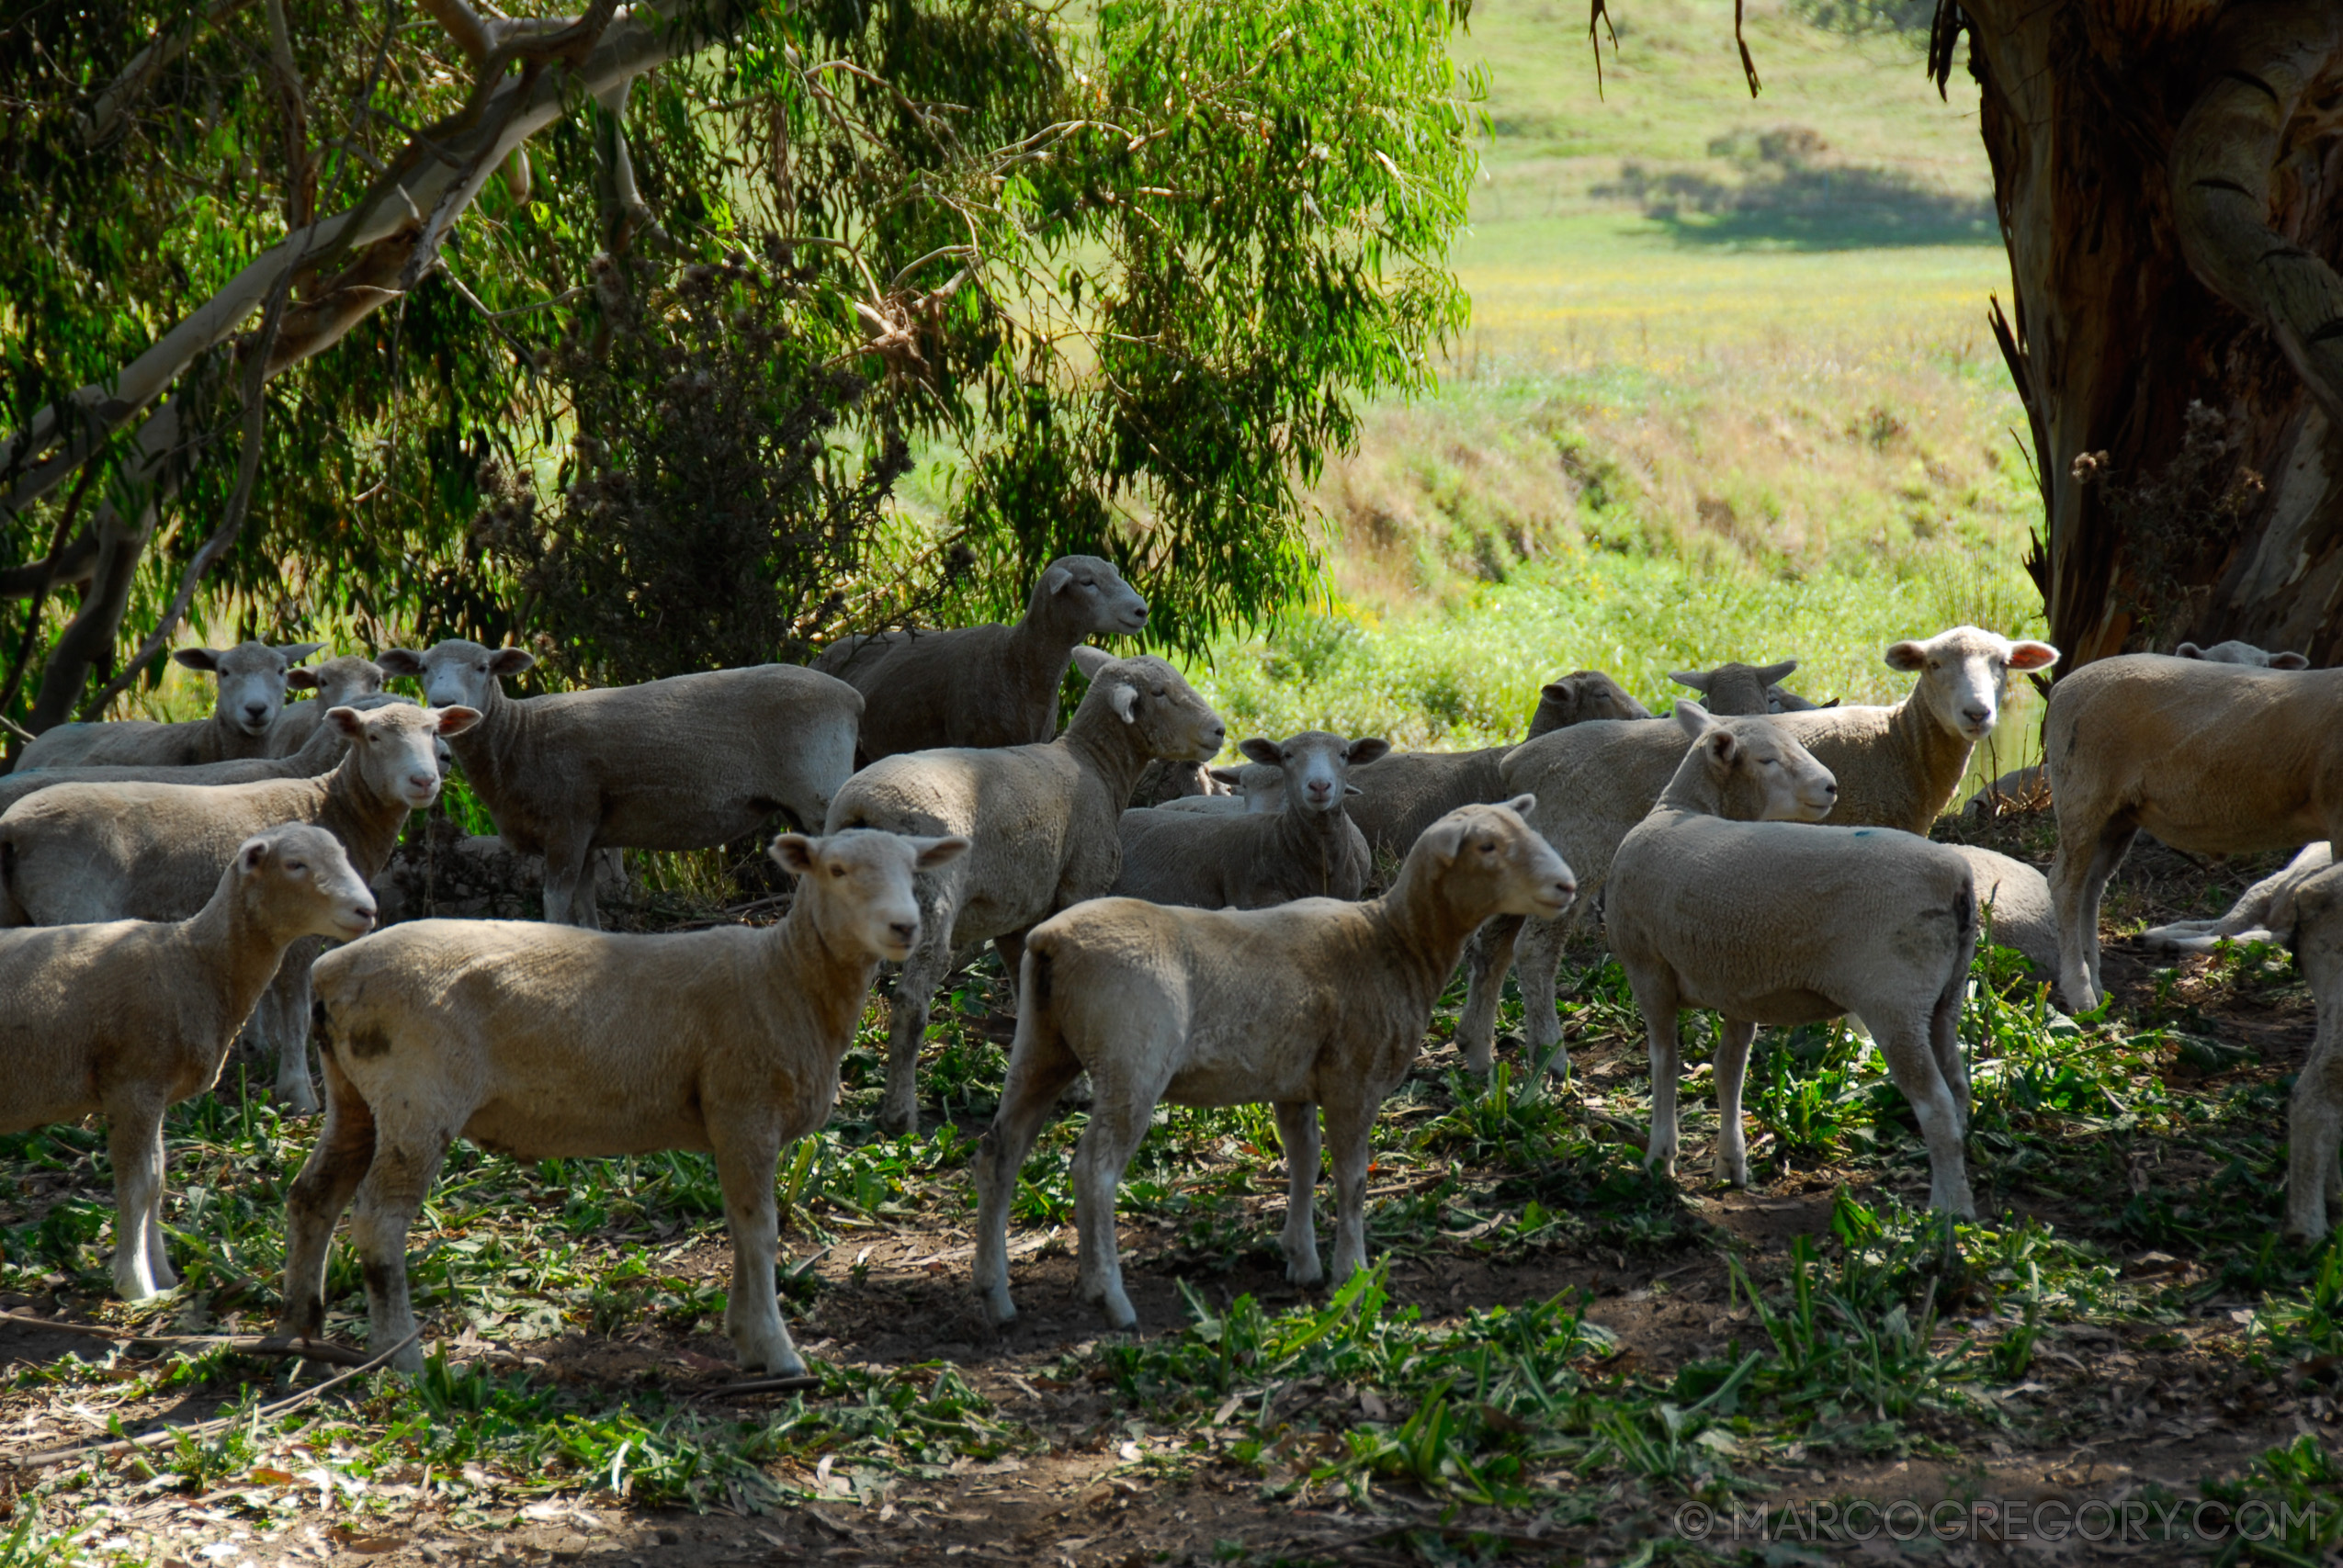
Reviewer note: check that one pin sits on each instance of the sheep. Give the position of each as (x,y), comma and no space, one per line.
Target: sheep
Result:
(337,683)
(989,685)
(2019,789)
(1042,818)
(1317,1007)
(542,1040)
(2013,900)
(1896,767)
(128,1017)
(2265,912)
(1769,920)
(1311,849)
(682,764)
(1253,788)
(252,678)
(1162,783)
(1734,689)
(446,871)
(2314,1114)
(1407,792)
(323,749)
(2213,758)
(82,852)
(2242,653)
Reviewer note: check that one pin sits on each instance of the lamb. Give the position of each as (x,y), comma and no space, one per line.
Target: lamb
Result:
(541,1040)
(2315,1115)
(1253,788)
(2019,789)
(682,764)
(2212,758)
(128,1017)
(989,685)
(1407,792)
(2244,653)
(1309,850)
(1896,767)
(1734,689)
(82,853)
(1768,920)
(251,693)
(1043,819)
(2013,900)
(2267,911)
(338,682)
(1318,1008)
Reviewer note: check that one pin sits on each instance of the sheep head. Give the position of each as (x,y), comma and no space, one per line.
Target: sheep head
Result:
(1748,769)
(297,879)
(252,679)
(856,886)
(1314,767)
(1167,718)
(1488,859)
(1963,674)
(1087,597)
(456,673)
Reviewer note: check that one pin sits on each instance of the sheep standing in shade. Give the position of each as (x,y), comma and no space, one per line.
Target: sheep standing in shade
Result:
(989,685)
(252,678)
(2314,1116)
(1310,849)
(1731,690)
(544,1040)
(127,1018)
(337,684)
(1317,1007)
(2243,653)
(1724,897)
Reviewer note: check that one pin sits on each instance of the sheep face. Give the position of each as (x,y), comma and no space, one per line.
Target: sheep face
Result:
(395,748)
(338,680)
(1756,771)
(1488,857)
(2235,652)
(1579,697)
(1963,672)
(1735,688)
(1087,594)
(1147,694)
(251,677)
(856,885)
(1314,767)
(298,878)
(456,673)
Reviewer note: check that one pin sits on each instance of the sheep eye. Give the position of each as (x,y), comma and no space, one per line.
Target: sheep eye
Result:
(296,865)
(837,871)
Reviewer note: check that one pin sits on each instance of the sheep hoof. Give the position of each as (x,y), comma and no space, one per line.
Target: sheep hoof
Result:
(999,1307)
(1118,1312)
(893,1118)
(1304,1272)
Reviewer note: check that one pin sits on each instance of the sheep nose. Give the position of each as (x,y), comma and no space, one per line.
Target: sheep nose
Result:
(364,912)
(904,930)
(425,779)
(256,711)
(1976,713)
(1831,790)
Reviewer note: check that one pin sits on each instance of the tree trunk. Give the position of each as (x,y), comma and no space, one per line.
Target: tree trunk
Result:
(2170,175)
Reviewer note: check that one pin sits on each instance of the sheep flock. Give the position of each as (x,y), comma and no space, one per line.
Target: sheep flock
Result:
(1178,932)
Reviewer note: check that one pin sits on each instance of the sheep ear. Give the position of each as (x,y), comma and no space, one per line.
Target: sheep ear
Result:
(1124,700)
(2188,651)
(1442,839)
(346,720)
(302,680)
(1562,691)
(1692,718)
(400,661)
(2032,656)
(1229,776)
(456,720)
(511,661)
(793,853)
(933,852)
(1521,806)
(1353,789)
(1056,580)
(1263,751)
(294,652)
(1091,660)
(1697,680)
(206,658)
(254,854)
(1723,746)
(1772,673)
(1910,656)
(2288,661)
(1361,752)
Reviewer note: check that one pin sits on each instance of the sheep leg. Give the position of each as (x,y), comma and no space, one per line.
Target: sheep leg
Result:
(1347,1128)
(388,1196)
(1488,958)
(1537,961)
(345,1149)
(1297,1130)
(747,1151)
(924,970)
(1734,1037)
(134,1142)
(1912,1066)
(2313,1130)
(2087,858)
(1117,1124)
(566,853)
(286,1007)
(1010,946)
(1040,1066)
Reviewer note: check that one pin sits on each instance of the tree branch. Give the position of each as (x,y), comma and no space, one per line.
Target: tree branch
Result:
(109,111)
(301,184)
(41,589)
(462,24)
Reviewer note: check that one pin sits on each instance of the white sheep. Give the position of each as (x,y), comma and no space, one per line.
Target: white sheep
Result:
(682,764)
(989,685)
(2315,1115)
(2264,912)
(1895,766)
(1311,849)
(251,677)
(2244,653)
(2213,758)
(84,853)
(323,749)
(127,1018)
(2019,789)
(336,683)
(1769,920)
(1317,1006)
(541,1040)
(1043,819)
(2013,900)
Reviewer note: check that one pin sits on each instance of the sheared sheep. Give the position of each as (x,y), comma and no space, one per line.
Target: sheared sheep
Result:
(1896,767)
(1317,1007)
(989,685)
(251,693)
(1311,849)
(324,750)
(337,683)
(2315,1115)
(2264,912)
(2244,653)
(1043,820)
(682,764)
(2212,758)
(2013,900)
(127,1018)
(84,853)
(542,1041)
(1768,920)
